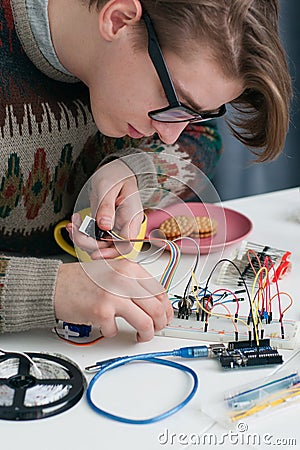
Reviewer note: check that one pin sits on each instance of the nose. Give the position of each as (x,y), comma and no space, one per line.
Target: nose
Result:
(169,132)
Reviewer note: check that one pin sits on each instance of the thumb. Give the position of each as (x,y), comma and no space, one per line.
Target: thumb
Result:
(105,216)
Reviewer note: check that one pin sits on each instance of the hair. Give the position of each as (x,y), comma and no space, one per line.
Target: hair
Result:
(243,36)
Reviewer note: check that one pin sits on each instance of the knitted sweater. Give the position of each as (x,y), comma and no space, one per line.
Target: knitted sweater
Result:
(49,147)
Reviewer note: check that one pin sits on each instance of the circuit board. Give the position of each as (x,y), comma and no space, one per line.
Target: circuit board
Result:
(221,329)
(246,354)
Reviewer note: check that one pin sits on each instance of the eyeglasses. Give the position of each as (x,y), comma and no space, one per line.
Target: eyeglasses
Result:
(176,111)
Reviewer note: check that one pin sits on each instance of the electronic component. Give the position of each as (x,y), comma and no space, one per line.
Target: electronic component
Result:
(37,385)
(247,354)
(249,258)
(195,352)
(185,308)
(102,367)
(248,398)
(220,329)
(280,390)
(232,355)
(77,334)
(71,329)
(90,228)
(224,315)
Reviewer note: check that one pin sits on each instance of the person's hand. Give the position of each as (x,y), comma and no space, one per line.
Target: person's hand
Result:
(116,204)
(97,292)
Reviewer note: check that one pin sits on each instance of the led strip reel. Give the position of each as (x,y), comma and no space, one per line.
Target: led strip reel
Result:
(38,385)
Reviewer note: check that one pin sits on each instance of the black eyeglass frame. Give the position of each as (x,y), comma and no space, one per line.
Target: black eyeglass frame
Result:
(160,66)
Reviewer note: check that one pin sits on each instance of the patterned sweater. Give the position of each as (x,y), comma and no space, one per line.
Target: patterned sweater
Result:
(49,147)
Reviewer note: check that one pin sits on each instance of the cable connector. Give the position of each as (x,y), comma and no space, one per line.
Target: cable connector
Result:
(90,228)
(99,365)
(201,351)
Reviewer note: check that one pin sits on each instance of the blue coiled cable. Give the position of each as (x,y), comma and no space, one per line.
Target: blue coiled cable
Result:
(105,366)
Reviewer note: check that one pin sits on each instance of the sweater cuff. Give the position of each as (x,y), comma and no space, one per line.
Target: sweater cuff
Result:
(27,294)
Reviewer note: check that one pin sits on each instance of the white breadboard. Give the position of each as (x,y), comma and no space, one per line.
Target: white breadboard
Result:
(221,329)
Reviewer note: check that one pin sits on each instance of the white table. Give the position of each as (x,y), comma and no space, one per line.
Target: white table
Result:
(81,427)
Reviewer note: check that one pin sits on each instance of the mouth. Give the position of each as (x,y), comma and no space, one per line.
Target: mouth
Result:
(133,133)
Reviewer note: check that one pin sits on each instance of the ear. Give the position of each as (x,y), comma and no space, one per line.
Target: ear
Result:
(117,14)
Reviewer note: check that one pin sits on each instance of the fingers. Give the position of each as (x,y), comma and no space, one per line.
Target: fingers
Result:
(106,209)
(96,249)
(135,316)
(130,218)
(79,239)
(146,320)
(150,298)
(114,190)
(107,322)
(161,309)
(94,293)
(111,185)
(116,205)
(125,218)
(108,251)
(138,319)
(133,293)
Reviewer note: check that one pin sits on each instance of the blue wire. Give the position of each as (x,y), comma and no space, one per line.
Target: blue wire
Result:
(154,360)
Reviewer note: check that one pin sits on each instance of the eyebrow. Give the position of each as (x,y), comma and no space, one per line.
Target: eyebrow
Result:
(188,100)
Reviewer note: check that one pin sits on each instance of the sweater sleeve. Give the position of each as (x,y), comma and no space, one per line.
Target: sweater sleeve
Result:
(27,288)
(160,168)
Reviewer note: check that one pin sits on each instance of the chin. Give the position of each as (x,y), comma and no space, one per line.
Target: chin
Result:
(113,134)
(106,127)
(108,131)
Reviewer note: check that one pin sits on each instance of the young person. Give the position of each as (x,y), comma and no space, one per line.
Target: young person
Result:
(69,68)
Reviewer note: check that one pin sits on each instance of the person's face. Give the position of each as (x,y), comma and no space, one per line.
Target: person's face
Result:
(125,87)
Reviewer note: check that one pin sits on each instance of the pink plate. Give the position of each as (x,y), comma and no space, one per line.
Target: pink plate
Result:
(232,225)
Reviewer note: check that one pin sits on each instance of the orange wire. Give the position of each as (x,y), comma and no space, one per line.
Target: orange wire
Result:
(209,313)
(278,295)
(255,256)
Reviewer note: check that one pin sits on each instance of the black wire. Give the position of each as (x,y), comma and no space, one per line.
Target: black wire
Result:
(238,270)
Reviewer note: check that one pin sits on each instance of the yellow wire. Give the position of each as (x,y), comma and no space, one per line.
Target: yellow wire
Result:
(268,402)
